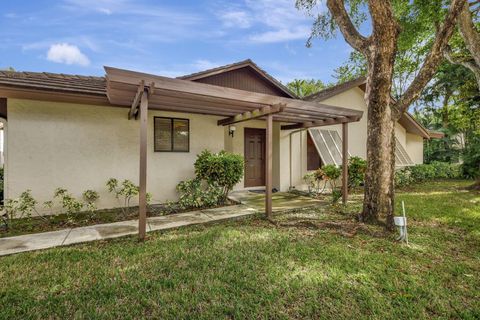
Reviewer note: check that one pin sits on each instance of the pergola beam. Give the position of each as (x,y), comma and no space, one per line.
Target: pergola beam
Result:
(319,123)
(218,93)
(136,100)
(250,115)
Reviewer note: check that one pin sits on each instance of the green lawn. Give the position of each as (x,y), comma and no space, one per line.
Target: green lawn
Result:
(314,264)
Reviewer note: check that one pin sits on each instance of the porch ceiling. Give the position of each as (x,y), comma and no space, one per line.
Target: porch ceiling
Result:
(187,96)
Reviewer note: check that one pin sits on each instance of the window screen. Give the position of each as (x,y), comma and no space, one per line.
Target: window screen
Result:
(171,134)
(328,144)
(401,156)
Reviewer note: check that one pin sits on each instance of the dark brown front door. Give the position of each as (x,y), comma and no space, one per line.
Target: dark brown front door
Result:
(254,157)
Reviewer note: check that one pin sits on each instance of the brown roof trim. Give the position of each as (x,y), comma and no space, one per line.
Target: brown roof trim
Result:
(333,91)
(238,65)
(436,134)
(54,95)
(407,120)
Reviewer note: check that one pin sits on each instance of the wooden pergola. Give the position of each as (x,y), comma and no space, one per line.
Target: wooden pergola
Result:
(141,91)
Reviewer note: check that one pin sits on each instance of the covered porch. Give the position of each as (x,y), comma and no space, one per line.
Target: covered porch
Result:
(141,92)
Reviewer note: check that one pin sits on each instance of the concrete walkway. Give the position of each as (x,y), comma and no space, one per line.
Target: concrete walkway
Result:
(251,203)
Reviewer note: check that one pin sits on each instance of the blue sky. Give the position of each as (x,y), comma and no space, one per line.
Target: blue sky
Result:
(169,38)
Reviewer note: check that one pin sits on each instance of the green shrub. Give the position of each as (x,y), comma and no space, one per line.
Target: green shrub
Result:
(331,173)
(356,171)
(336,195)
(403,177)
(127,190)
(68,202)
(471,159)
(310,181)
(223,170)
(90,197)
(444,170)
(197,194)
(422,172)
(426,172)
(21,207)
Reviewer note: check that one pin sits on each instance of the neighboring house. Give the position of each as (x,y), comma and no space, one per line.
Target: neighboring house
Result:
(73,131)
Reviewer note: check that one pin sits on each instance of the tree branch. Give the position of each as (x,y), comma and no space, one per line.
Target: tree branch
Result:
(346,26)
(470,64)
(434,58)
(469,33)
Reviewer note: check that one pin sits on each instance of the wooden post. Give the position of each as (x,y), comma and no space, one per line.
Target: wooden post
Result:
(268,167)
(344,162)
(142,202)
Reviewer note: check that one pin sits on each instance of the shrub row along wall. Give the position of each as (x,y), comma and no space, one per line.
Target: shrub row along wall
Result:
(425,172)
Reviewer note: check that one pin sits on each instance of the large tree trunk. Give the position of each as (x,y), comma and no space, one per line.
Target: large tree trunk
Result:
(380,49)
(379,178)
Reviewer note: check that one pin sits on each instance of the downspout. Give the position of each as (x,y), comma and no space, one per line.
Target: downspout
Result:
(290,153)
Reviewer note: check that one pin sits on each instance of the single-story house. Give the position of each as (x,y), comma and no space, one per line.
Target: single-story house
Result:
(76,132)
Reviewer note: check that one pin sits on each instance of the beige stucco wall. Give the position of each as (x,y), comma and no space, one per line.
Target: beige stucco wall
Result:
(357,131)
(357,136)
(401,135)
(414,147)
(80,147)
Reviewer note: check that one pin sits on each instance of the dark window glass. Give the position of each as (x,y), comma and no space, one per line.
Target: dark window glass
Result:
(313,159)
(171,134)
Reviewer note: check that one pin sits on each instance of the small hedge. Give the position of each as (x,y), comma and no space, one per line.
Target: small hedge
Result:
(215,176)
(426,172)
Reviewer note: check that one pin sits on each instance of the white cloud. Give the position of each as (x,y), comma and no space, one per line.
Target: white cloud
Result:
(203,64)
(282,35)
(67,54)
(236,18)
(271,20)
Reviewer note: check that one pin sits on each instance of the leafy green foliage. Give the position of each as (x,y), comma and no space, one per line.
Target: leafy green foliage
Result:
(471,160)
(90,197)
(67,201)
(403,177)
(336,195)
(220,170)
(356,171)
(427,172)
(127,190)
(331,173)
(21,207)
(197,194)
(303,87)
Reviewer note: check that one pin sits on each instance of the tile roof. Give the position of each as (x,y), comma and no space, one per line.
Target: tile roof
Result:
(54,82)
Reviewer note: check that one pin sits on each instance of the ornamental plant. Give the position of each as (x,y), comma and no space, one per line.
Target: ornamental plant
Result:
(90,197)
(223,170)
(21,207)
(356,171)
(197,194)
(68,202)
(127,190)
